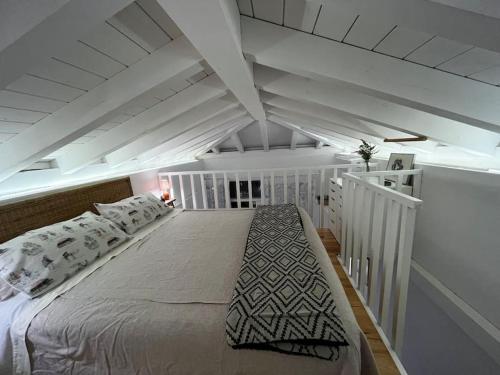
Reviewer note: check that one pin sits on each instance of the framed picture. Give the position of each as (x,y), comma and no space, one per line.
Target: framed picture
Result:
(398,162)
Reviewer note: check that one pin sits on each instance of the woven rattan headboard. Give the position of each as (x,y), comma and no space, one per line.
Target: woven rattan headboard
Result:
(17,218)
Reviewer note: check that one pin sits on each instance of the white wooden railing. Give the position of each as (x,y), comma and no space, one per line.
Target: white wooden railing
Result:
(378,225)
(210,189)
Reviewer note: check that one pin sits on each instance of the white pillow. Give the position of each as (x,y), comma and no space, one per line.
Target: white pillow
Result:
(6,291)
(133,213)
(41,259)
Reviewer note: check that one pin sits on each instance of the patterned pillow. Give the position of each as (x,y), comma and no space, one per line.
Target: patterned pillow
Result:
(133,213)
(41,259)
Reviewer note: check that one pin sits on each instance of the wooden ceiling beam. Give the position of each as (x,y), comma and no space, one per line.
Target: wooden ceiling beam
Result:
(96,107)
(213,28)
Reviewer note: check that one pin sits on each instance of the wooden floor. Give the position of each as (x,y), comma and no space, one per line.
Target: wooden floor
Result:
(385,364)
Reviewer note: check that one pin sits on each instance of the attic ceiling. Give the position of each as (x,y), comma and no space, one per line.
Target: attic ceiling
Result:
(134,85)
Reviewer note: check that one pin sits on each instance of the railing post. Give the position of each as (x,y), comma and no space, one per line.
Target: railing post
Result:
(238,196)
(356,230)
(285,186)
(226,191)
(216,191)
(250,192)
(376,248)
(297,187)
(403,276)
(193,192)
(172,190)
(272,188)
(366,226)
(309,193)
(321,198)
(262,188)
(203,190)
(183,196)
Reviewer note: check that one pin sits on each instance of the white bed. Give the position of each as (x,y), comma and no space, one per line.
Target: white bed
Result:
(159,307)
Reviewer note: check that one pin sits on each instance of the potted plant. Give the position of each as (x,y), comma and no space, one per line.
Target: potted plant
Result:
(366,151)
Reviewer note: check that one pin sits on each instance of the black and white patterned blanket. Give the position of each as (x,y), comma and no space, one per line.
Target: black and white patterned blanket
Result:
(282,301)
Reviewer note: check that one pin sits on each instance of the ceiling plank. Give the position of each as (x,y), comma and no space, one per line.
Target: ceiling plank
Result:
(31,46)
(202,144)
(201,92)
(213,28)
(378,111)
(199,131)
(172,129)
(461,25)
(237,142)
(96,107)
(394,80)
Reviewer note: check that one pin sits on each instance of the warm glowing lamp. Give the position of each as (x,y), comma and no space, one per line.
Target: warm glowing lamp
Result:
(165,188)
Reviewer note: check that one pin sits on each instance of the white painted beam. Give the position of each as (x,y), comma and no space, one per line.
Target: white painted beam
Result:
(213,28)
(244,123)
(264,135)
(398,81)
(293,140)
(31,32)
(207,89)
(237,142)
(95,107)
(199,131)
(467,22)
(172,129)
(376,110)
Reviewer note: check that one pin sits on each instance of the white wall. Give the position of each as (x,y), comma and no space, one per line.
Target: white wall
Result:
(281,158)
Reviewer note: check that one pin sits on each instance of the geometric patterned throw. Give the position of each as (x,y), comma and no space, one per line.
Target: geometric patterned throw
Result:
(282,301)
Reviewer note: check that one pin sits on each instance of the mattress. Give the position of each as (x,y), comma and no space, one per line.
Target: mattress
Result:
(158,306)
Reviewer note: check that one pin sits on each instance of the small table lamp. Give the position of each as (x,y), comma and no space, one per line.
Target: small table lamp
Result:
(165,188)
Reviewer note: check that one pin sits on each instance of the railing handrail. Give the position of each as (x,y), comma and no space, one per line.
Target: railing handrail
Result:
(402,172)
(404,199)
(330,166)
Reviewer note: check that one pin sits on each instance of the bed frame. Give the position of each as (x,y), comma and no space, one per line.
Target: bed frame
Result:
(36,212)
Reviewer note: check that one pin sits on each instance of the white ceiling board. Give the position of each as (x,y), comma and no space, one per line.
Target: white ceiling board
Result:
(146,100)
(87,58)
(269,10)
(4,137)
(162,91)
(64,73)
(111,42)
(402,41)
(301,15)
(278,135)
(250,136)
(472,61)
(138,26)
(197,77)
(108,126)
(334,22)
(156,12)
(13,127)
(20,115)
(30,102)
(409,85)
(367,31)
(132,109)
(122,117)
(491,75)
(245,7)
(436,51)
(44,88)
(178,84)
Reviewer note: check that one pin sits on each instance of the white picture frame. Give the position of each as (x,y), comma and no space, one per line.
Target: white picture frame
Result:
(398,162)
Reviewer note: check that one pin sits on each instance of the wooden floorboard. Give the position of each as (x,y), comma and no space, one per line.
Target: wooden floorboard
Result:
(383,359)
